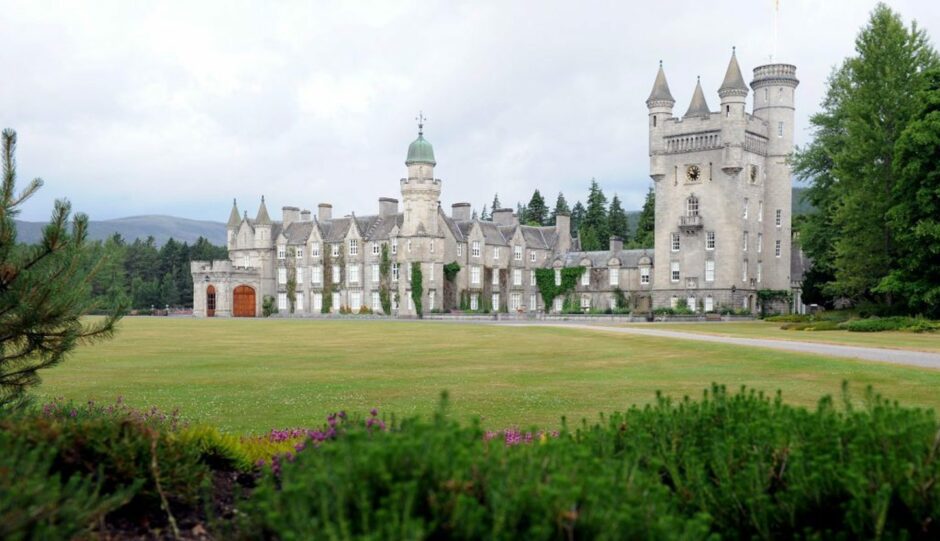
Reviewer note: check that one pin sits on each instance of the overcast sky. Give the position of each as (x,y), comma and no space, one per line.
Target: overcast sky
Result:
(131,108)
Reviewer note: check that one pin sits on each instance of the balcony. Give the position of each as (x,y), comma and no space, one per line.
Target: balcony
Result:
(690,224)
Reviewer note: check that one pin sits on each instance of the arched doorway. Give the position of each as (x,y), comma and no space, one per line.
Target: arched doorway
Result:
(210,301)
(243,304)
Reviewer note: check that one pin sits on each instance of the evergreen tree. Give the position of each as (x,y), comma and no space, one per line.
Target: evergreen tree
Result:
(577,216)
(475,216)
(521,213)
(646,225)
(483,214)
(561,207)
(869,102)
(915,216)
(595,220)
(496,204)
(169,291)
(617,222)
(45,289)
(536,212)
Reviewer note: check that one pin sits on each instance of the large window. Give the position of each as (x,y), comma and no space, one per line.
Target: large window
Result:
(316,275)
(517,277)
(376,302)
(495,277)
(691,206)
(375,273)
(515,301)
(675,242)
(517,252)
(475,301)
(475,275)
(709,304)
(335,274)
(710,240)
(317,302)
(282,276)
(495,302)
(614,277)
(475,249)
(335,305)
(300,275)
(674,271)
(533,300)
(532,277)
(355,300)
(353,271)
(586,277)
(282,301)
(710,271)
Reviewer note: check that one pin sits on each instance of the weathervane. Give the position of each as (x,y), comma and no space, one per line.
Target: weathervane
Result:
(420,118)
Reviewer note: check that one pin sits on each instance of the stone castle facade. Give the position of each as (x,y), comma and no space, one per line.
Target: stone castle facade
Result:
(722,230)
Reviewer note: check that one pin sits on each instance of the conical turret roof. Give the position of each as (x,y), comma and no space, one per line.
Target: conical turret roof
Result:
(698,106)
(262,218)
(660,90)
(234,219)
(734,81)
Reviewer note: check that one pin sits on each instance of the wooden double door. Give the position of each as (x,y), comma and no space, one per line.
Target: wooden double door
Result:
(243,302)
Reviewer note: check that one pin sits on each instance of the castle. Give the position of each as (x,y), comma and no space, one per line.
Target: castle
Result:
(722,230)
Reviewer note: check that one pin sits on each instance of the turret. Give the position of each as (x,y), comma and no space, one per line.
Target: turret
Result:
(733,93)
(231,228)
(698,107)
(263,226)
(774,87)
(660,105)
(420,191)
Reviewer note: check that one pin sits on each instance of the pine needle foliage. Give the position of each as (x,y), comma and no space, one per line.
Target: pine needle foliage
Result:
(45,289)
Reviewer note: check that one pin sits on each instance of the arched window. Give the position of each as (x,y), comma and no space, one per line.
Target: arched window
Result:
(691,206)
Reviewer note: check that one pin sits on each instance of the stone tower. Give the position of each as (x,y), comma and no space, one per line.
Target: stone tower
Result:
(420,192)
(721,179)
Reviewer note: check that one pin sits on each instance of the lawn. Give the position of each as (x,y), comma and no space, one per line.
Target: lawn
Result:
(929,342)
(252,375)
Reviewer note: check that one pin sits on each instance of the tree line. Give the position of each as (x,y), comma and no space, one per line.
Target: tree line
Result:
(874,173)
(142,275)
(593,224)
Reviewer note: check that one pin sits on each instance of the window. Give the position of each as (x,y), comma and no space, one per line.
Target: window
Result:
(355,300)
(759,269)
(710,240)
(376,302)
(431,300)
(614,277)
(246,261)
(691,206)
(532,256)
(282,301)
(645,275)
(431,246)
(299,252)
(335,274)
(459,249)
(709,304)
(298,302)
(316,275)
(411,302)
(281,252)
(375,273)
(558,304)
(408,245)
(710,271)
(674,271)
(533,299)
(744,247)
(496,253)
(408,269)
(744,271)
(760,242)
(375,248)
(691,303)
(778,217)
(475,301)
(395,272)
(779,129)
(317,302)
(517,277)
(532,280)
(745,208)
(586,277)
(517,252)
(760,211)
(394,246)
(675,242)
(495,277)
(495,302)
(585,302)
(475,249)
(777,248)
(727,110)
(315,249)
(475,275)
(282,275)
(557,277)
(334,250)
(431,272)
(353,278)
(674,302)
(515,301)
(300,275)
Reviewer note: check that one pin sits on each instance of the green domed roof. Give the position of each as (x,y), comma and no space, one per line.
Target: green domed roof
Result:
(420,151)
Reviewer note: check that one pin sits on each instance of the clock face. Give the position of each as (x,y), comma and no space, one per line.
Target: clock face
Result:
(693,173)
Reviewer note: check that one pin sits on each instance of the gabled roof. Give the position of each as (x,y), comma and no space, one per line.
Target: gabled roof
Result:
(734,81)
(628,258)
(698,107)
(492,234)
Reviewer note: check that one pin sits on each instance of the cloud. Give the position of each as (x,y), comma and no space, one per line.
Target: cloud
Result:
(175,108)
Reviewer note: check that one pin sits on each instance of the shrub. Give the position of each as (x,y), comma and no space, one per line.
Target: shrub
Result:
(820,325)
(790,318)
(268,306)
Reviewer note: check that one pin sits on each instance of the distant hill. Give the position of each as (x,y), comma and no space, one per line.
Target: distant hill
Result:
(162,228)
(800,206)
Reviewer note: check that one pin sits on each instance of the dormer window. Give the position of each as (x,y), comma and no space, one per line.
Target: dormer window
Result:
(281,252)
(315,249)
(375,248)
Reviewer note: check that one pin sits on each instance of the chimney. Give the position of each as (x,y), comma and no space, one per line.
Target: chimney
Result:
(290,215)
(305,215)
(324,212)
(388,206)
(460,211)
(503,216)
(616,243)
(563,231)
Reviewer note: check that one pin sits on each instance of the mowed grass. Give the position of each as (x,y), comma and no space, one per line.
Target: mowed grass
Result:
(254,375)
(929,342)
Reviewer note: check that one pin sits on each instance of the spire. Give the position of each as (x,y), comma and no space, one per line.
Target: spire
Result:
(660,92)
(234,219)
(262,218)
(733,84)
(698,107)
